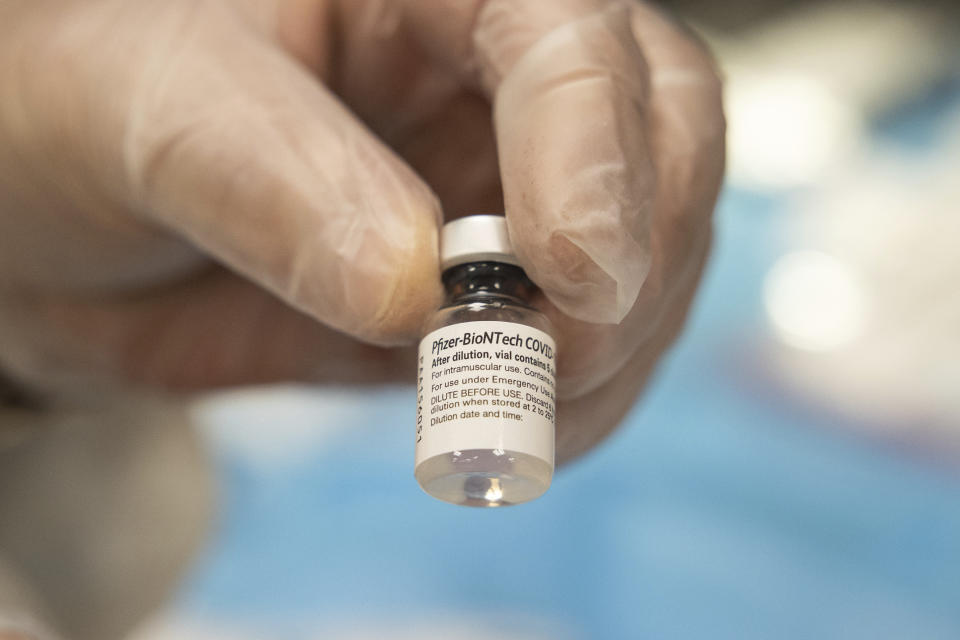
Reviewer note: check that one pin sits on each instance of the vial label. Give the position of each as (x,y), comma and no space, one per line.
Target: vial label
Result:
(486,385)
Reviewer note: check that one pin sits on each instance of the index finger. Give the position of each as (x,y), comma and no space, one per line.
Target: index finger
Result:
(685,124)
(569,87)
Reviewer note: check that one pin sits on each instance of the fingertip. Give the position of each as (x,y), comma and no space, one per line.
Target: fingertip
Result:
(592,273)
(376,276)
(412,292)
(410,288)
(603,277)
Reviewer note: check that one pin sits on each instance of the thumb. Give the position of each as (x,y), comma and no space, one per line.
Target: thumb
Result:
(234,146)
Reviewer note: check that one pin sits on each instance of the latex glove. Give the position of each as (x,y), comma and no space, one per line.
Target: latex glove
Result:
(300,143)
(96,530)
(22,616)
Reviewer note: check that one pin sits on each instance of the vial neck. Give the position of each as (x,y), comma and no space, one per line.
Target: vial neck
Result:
(487,281)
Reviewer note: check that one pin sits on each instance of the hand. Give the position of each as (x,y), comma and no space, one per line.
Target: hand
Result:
(187,187)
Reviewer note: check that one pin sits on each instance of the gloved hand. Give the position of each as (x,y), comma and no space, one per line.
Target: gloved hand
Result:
(173,175)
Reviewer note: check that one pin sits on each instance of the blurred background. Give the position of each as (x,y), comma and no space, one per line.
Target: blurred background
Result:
(794,469)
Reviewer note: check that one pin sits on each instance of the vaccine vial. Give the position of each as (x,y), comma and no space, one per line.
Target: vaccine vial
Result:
(485,376)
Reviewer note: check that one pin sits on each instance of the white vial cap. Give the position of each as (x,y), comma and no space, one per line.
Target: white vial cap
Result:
(476,239)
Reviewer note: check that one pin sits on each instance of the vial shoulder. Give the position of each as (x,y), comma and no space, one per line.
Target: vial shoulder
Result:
(488,311)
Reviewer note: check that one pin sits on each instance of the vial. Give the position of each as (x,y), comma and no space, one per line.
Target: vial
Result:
(485,376)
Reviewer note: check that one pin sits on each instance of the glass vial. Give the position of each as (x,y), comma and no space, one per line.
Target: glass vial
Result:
(485,376)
